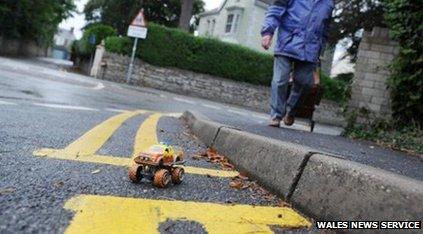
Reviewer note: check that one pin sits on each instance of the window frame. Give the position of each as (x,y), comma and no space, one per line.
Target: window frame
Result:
(229,23)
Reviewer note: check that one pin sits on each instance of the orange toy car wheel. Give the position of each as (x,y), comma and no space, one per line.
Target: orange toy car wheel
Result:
(178,175)
(162,178)
(134,173)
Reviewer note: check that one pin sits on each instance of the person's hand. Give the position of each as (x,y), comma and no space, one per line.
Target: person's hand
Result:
(266,41)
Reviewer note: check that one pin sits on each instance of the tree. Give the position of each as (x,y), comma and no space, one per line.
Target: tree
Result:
(404,18)
(351,16)
(35,20)
(186,14)
(120,13)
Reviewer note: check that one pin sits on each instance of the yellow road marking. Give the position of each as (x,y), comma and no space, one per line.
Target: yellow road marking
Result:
(96,214)
(93,140)
(147,134)
(107,214)
(123,162)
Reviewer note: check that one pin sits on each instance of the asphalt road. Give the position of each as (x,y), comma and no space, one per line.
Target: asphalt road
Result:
(66,142)
(49,116)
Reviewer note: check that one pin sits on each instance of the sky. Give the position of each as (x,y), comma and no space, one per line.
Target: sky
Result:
(78,20)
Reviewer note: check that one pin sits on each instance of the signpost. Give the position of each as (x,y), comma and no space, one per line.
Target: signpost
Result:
(92,40)
(137,29)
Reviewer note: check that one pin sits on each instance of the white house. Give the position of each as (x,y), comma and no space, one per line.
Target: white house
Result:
(63,40)
(236,21)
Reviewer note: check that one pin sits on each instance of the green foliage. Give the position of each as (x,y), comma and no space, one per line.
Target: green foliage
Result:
(35,20)
(350,16)
(406,83)
(337,89)
(119,45)
(406,138)
(84,47)
(174,48)
(120,13)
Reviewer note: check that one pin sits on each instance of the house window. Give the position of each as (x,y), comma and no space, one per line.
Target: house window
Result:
(229,23)
(235,27)
(208,28)
(213,25)
(232,23)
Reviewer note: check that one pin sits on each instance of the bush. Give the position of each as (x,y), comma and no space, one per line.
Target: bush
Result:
(173,48)
(83,47)
(337,89)
(407,138)
(406,83)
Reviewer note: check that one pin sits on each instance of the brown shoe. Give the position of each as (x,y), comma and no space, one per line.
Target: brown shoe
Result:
(276,123)
(289,120)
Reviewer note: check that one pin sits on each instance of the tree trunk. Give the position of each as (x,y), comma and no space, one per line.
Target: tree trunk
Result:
(186,14)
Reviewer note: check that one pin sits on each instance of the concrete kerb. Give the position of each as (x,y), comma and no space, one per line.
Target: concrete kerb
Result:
(205,130)
(337,189)
(323,186)
(256,155)
(253,154)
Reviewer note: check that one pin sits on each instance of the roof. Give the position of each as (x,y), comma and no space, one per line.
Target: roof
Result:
(217,10)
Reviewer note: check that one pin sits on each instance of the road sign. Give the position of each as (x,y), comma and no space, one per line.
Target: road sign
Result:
(137,29)
(139,19)
(92,39)
(137,32)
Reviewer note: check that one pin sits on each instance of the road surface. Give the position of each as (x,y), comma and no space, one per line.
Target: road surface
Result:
(66,141)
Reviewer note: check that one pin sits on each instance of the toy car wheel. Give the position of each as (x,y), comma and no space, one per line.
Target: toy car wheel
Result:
(134,173)
(178,175)
(162,178)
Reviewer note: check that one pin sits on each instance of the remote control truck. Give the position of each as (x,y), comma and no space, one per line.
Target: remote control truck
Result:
(161,164)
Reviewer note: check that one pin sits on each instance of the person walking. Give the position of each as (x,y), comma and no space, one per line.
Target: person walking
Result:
(302,28)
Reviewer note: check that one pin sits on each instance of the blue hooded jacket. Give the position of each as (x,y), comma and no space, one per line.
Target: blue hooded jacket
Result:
(302,27)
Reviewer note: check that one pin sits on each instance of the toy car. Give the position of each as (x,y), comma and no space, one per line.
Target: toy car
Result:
(159,164)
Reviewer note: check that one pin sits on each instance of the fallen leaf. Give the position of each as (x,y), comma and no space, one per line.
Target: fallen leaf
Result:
(96,171)
(235,184)
(228,165)
(7,191)
(213,157)
(283,204)
(196,157)
(242,177)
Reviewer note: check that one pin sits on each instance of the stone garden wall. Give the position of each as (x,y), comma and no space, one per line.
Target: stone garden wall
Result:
(370,94)
(14,48)
(114,67)
(185,82)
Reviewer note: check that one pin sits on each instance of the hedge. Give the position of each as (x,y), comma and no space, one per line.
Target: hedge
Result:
(173,48)
(405,21)
(83,47)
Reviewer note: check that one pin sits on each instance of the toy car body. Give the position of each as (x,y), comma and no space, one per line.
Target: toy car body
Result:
(159,164)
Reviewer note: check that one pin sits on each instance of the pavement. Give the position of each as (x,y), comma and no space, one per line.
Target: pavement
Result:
(48,116)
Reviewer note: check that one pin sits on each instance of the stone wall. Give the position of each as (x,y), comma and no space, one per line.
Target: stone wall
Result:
(114,67)
(185,82)
(23,48)
(370,94)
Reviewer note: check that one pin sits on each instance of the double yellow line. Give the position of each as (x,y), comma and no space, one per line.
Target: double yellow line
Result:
(84,149)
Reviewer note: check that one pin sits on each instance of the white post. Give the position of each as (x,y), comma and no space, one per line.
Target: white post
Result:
(99,52)
(131,65)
